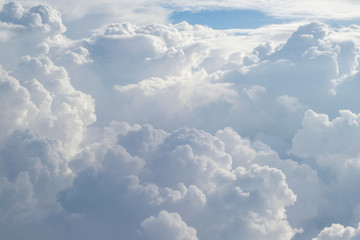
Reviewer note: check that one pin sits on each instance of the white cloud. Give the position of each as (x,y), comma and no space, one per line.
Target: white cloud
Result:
(78,13)
(37,94)
(187,172)
(145,165)
(292,104)
(168,226)
(185,65)
(33,170)
(319,9)
(330,147)
(337,231)
(339,134)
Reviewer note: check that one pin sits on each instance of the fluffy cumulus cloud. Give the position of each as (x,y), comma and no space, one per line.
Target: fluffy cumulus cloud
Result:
(168,226)
(185,178)
(337,231)
(327,145)
(37,94)
(176,131)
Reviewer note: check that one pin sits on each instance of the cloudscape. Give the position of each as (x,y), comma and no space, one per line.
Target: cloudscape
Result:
(179,120)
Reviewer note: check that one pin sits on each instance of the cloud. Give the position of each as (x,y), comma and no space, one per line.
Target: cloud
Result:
(317,128)
(37,94)
(186,172)
(327,146)
(337,231)
(202,133)
(141,12)
(33,170)
(168,226)
(202,80)
(281,9)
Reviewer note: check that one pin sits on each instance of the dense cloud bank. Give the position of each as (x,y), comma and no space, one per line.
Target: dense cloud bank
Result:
(176,132)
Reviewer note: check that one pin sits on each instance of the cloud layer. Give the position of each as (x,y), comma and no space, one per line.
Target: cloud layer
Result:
(174,131)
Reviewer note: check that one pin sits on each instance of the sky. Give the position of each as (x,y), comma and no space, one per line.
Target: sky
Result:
(225,19)
(181,120)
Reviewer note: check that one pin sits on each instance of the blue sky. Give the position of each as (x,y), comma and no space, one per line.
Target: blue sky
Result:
(225,19)
(241,19)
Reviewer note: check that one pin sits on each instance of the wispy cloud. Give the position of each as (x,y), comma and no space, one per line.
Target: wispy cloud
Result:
(318,9)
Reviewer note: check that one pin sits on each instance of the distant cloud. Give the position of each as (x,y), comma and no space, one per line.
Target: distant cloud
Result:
(319,9)
(83,16)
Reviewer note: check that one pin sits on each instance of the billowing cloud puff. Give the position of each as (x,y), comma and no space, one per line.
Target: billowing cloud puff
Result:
(309,57)
(187,172)
(15,104)
(42,99)
(33,170)
(71,110)
(168,226)
(28,32)
(328,146)
(340,135)
(37,94)
(43,17)
(337,231)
